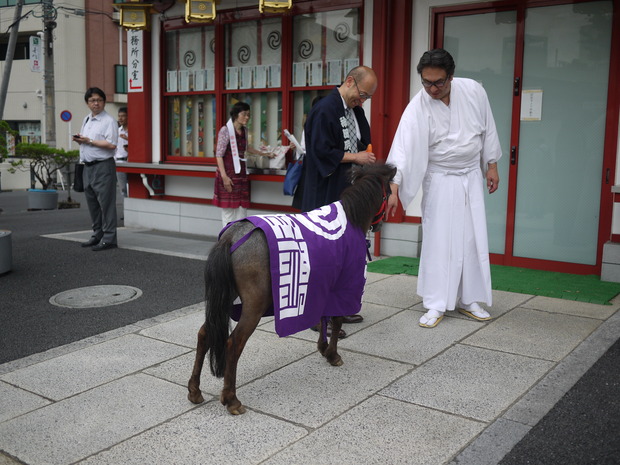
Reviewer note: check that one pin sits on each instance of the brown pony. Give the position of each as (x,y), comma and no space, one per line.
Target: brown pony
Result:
(245,273)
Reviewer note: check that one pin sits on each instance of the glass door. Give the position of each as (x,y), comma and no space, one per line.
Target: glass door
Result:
(487,56)
(546,72)
(562,131)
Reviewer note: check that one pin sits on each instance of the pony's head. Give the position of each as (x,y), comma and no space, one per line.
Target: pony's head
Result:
(365,201)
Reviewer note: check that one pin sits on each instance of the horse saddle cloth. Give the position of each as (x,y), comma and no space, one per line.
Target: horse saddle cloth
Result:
(317,264)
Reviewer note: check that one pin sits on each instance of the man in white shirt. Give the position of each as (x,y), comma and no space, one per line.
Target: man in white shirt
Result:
(447,143)
(98,138)
(121,149)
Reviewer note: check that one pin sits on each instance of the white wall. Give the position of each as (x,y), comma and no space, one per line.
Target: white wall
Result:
(25,97)
(70,74)
(13,181)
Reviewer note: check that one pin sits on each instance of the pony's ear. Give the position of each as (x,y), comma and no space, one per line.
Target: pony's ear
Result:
(392,172)
(355,173)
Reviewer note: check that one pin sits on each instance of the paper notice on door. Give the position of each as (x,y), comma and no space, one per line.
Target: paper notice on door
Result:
(531,105)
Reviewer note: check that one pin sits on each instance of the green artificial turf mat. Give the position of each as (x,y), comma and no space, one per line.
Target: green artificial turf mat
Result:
(584,288)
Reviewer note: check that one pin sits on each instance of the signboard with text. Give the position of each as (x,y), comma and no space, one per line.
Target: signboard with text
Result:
(35,54)
(135,69)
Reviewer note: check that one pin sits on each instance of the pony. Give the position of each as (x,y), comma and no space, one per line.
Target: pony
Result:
(241,265)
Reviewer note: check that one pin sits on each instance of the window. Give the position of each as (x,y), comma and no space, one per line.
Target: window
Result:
(5,3)
(253,57)
(190,60)
(190,81)
(302,103)
(120,79)
(265,125)
(22,47)
(254,54)
(192,126)
(276,64)
(325,47)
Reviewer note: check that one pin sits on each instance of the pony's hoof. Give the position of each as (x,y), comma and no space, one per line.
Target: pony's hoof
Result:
(239,410)
(195,397)
(335,361)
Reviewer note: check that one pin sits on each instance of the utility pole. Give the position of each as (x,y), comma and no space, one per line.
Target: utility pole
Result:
(49,24)
(8,63)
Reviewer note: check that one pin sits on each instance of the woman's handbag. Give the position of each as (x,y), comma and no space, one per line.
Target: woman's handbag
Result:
(78,179)
(293,175)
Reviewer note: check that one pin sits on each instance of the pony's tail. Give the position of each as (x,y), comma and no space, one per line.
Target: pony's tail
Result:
(219,295)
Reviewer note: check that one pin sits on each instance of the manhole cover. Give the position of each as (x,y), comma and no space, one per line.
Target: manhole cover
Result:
(95,296)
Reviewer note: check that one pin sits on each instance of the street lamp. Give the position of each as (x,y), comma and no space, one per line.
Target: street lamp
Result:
(199,11)
(135,15)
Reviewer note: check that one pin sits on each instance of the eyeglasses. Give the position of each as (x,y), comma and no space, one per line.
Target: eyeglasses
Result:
(363,95)
(439,83)
(95,100)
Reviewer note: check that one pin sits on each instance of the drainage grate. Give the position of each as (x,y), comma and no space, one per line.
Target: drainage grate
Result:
(95,296)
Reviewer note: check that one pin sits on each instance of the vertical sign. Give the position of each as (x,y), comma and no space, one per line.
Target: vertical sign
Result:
(135,68)
(35,54)
(531,105)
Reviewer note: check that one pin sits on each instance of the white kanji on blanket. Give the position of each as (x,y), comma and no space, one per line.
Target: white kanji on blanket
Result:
(294,265)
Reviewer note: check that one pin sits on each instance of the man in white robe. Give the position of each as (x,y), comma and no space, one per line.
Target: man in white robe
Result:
(446,142)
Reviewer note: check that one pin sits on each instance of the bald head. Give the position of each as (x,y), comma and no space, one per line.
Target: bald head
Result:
(359,86)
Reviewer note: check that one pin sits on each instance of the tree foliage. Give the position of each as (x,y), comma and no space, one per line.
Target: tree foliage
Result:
(44,161)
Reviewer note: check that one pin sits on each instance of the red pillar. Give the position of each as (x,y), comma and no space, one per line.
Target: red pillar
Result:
(391,61)
(140,130)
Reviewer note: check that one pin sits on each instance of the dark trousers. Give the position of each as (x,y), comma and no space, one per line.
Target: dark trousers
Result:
(100,192)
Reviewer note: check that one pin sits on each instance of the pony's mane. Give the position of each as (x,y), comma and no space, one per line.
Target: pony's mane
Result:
(362,199)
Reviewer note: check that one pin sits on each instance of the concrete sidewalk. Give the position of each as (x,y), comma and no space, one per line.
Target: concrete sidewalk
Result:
(464,392)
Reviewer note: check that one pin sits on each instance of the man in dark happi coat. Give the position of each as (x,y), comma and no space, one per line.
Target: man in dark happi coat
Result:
(337,135)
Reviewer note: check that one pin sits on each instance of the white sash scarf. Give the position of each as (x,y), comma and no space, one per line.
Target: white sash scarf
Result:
(233,147)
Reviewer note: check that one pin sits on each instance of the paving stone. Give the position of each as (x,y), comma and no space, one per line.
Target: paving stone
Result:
(550,336)
(207,435)
(264,353)
(311,392)
(69,374)
(85,424)
(573,307)
(382,292)
(15,402)
(374,277)
(182,331)
(383,431)
(469,381)
(492,445)
(401,338)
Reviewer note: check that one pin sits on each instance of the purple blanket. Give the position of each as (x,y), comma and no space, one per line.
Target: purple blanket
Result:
(318,266)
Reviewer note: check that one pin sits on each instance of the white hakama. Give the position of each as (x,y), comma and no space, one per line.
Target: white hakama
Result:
(442,148)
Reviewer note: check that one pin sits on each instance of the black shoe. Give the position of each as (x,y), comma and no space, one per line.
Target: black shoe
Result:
(352,319)
(92,241)
(103,246)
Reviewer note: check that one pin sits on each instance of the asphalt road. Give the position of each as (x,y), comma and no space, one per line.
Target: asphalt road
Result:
(583,428)
(43,267)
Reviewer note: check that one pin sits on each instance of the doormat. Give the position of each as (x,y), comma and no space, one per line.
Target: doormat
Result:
(582,288)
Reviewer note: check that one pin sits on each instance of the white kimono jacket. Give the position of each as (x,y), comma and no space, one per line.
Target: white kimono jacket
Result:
(444,149)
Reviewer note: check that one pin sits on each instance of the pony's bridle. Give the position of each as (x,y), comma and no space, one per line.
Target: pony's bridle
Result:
(379,215)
